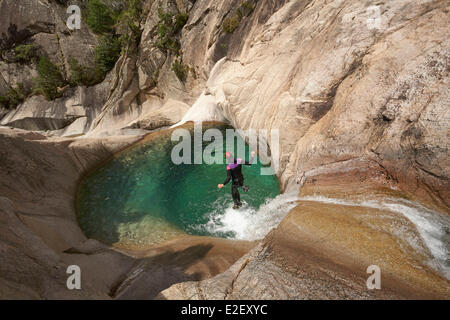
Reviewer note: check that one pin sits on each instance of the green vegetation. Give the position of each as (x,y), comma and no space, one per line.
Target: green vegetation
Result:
(230,24)
(128,23)
(117,31)
(26,53)
(180,21)
(134,9)
(49,80)
(247,7)
(14,97)
(168,28)
(180,70)
(107,52)
(100,17)
(84,76)
(132,13)
(107,22)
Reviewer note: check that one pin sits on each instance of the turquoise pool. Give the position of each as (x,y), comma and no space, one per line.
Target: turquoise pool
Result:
(140,197)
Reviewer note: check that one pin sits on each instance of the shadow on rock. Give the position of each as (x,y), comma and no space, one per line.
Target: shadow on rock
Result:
(150,276)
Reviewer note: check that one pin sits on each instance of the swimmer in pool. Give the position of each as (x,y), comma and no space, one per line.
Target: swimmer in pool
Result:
(234,173)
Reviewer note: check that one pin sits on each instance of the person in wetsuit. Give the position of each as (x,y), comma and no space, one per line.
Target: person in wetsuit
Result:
(234,173)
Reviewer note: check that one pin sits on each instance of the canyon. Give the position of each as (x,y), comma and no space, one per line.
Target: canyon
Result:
(363,114)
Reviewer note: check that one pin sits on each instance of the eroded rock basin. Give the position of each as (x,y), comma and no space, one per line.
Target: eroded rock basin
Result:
(320,250)
(142,198)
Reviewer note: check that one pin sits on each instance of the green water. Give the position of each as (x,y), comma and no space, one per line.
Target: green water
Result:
(141,197)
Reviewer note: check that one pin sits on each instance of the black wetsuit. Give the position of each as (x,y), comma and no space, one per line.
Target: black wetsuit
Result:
(234,173)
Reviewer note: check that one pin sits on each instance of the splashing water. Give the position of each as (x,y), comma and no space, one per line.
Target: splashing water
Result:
(250,223)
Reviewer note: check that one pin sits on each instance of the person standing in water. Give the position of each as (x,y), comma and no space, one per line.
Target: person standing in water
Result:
(234,173)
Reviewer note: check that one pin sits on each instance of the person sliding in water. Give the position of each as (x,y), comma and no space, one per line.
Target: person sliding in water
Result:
(234,173)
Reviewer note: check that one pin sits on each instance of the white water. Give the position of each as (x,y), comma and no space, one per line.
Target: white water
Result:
(249,223)
(433,227)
